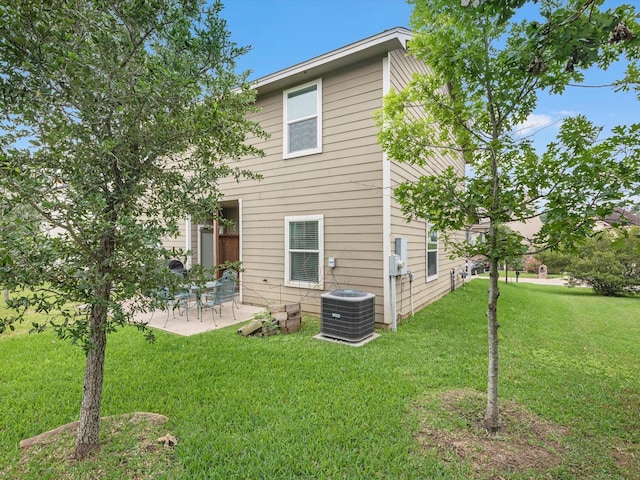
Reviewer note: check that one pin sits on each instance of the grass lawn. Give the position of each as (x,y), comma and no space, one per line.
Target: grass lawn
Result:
(512,275)
(295,407)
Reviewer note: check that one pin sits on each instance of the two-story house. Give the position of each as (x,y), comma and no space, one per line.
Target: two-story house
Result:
(324,216)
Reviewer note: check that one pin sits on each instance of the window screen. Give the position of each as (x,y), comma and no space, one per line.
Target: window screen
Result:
(302,121)
(304,251)
(432,252)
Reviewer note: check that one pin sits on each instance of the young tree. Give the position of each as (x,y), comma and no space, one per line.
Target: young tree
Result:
(486,71)
(118,119)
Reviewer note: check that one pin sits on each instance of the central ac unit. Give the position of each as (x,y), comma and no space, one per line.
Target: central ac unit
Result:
(347,315)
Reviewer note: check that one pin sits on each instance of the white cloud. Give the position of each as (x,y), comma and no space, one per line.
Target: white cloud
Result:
(567,113)
(536,122)
(533,123)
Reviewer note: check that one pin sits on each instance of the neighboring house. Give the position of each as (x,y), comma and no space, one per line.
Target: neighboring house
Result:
(619,218)
(528,229)
(326,197)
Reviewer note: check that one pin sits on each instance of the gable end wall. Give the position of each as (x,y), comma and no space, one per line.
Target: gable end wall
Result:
(423,291)
(343,183)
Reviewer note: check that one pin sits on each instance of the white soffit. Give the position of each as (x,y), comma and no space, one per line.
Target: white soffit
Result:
(311,69)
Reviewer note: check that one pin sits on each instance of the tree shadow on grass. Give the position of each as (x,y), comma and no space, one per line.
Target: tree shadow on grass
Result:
(555,289)
(585,292)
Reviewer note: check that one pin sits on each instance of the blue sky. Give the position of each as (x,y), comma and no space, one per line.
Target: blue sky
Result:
(285,32)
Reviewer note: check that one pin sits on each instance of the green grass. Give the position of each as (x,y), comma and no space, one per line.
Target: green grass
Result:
(512,275)
(295,407)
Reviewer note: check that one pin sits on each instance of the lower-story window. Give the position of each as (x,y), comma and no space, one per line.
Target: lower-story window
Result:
(304,251)
(432,253)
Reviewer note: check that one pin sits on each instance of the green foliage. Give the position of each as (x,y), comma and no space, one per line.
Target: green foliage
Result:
(24,228)
(609,262)
(555,260)
(118,120)
(483,82)
(510,245)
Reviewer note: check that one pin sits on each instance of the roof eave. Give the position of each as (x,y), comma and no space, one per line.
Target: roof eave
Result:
(376,45)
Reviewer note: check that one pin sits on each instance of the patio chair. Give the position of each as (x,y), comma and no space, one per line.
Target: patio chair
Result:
(180,299)
(230,274)
(223,293)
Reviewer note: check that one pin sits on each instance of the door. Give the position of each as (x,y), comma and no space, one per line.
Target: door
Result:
(228,249)
(206,248)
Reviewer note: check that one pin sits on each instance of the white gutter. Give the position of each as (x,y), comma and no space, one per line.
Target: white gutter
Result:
(379,44)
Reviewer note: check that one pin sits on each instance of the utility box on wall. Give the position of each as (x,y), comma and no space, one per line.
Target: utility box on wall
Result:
(402,250)
(395,265)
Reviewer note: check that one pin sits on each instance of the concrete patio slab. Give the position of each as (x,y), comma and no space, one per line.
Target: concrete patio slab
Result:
(179,324)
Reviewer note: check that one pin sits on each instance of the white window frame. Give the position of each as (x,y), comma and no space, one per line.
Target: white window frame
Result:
(287,262)
(428,277)
(285,122)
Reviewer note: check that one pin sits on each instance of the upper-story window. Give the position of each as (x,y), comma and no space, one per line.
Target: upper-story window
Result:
(303,120)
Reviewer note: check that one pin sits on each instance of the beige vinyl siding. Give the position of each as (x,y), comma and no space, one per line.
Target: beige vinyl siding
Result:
(179,243)
(403,67)
(176,242)
(343,183)
(423,291)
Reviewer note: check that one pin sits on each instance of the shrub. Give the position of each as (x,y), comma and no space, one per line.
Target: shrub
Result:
(610,263)
(556,262)
(532,265)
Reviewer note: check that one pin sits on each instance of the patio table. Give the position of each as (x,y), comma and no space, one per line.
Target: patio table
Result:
(198,290)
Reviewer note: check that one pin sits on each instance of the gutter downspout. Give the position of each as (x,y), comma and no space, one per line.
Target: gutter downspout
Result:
(386,210)
(188,240)
(240,241)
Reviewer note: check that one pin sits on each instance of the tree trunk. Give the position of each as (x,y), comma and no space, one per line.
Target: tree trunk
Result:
(89,424)
(491,416)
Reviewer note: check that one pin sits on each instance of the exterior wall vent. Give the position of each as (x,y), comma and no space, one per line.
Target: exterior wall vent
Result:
(347,315)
